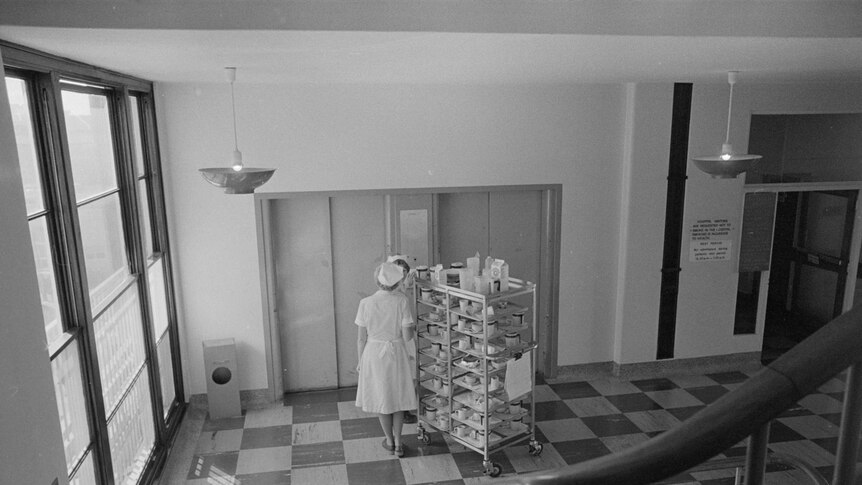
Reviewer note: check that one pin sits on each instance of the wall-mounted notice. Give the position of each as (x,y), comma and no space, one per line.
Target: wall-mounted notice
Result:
(758,219)
(710,240)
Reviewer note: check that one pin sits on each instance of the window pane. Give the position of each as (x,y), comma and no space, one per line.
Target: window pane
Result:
(69,389)
(166,373)
(131,433)
(104,248)
(137,143)
(144,207)
(26,141)
(91,147)
(158,302)
(120,346)
(86,474)
(47,281)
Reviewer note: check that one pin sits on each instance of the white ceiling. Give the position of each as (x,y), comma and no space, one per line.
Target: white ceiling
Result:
(617,47)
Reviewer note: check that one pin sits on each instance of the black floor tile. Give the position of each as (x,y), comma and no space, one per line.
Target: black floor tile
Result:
(661,384)
(778,432)
(707,394)
(728,377)
(684,413)
(317,454)
(834,418)
(265,478)
(719,481)
(266,437)
(214,465)
(610,425)
(736,451)
(223,424)
(375,473)
(329,396)
(681,478)
(436,446)
(581,450)
(347,394)
(352,429)
(629,403)
(470,463)
(312,413)
(797,410)
(828,444)
(573,390)
(553,410)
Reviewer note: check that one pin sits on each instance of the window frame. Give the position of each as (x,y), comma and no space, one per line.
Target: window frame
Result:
(46,77)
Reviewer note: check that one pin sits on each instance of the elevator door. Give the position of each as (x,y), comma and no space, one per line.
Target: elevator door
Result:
(304,296)
(326,249)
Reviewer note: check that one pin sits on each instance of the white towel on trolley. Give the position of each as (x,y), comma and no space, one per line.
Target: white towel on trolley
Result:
(519,380)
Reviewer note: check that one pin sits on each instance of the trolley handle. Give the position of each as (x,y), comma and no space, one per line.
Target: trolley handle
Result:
(515,353)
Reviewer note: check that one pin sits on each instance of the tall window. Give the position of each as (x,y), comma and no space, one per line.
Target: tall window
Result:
(89,163)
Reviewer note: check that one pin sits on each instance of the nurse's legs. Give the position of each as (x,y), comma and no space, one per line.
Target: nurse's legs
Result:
(397,423)
(386,424)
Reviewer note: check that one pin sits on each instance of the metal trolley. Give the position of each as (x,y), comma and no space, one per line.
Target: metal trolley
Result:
(464,345)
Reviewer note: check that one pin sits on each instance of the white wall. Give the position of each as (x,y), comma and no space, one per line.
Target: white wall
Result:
(31,445)
(708,289)
(607,145)
(642,228)
(333,137)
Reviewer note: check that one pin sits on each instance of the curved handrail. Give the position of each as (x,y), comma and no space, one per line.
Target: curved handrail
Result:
(728,420)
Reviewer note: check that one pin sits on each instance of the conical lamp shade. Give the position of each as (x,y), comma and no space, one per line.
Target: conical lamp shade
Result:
(728,164)
(236,179)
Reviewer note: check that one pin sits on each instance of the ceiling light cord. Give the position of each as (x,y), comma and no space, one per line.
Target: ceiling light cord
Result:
(732,81)
(233,107)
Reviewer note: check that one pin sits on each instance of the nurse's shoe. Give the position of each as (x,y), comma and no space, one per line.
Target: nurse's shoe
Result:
(399,450)
(409,418)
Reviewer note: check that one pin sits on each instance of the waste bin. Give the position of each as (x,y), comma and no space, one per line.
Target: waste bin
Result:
(222,379)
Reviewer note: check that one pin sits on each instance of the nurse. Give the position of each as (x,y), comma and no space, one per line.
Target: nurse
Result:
(385,374)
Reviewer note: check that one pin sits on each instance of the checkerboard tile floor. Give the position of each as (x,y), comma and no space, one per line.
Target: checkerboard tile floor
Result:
(322,438)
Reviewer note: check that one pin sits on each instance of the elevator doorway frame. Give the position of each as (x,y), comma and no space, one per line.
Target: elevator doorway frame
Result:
(551,207)
(855,242)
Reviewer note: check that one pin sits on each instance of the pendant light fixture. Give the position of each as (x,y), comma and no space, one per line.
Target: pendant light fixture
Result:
(236,179)
(728,164)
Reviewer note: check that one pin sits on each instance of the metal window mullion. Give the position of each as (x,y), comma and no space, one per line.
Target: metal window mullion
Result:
(31,59)
(131,215)
(159,225)
(98,197)
(77,274)
(127,391)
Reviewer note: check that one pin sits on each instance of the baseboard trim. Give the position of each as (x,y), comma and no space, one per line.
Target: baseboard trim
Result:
(248,399)
(743,362)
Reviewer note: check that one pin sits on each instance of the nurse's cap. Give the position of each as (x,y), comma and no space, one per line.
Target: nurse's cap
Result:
(396,257)
(389,274)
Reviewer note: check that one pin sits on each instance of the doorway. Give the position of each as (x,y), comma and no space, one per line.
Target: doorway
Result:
(319,251)
(810,259)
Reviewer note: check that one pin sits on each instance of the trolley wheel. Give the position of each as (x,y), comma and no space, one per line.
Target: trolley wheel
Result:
(493,470)
(425,438)
(535,448)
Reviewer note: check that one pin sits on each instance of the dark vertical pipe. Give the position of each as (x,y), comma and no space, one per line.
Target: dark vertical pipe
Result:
(755,456)
(851,423)
(673,219)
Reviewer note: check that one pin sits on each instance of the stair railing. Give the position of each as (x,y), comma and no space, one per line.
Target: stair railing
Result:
(743,412)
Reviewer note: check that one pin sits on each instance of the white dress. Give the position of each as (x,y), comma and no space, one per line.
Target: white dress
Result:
(385,374)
